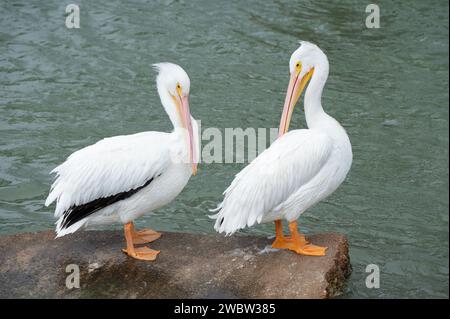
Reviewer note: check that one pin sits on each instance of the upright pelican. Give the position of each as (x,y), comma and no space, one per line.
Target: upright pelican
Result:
(121,178)
(299,169)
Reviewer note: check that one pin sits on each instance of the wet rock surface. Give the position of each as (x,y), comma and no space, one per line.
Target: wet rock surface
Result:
(35,265)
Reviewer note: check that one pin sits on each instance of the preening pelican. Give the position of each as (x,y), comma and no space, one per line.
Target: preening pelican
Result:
(121,178)
(299,169)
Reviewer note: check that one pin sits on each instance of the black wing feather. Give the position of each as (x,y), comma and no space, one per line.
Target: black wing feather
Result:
(76,213)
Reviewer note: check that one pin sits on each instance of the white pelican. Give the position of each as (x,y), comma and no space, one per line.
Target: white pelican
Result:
(299,169)
(121,178)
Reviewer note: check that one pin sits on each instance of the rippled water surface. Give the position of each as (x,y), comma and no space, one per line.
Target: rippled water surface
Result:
(62,89)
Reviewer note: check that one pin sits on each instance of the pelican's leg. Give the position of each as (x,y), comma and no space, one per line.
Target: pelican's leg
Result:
(281,242)
(301,246)
(142,253)
(144,236)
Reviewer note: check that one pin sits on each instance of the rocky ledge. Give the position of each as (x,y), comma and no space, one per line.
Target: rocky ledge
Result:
(35,265)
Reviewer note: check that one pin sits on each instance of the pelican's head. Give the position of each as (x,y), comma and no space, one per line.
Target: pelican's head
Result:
(173,87)
(302,64)
(172,78)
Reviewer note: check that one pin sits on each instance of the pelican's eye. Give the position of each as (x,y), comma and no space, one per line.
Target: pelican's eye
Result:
(298,67)
(180,92)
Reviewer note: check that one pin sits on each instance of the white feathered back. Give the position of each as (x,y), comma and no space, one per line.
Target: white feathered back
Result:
(110,166)
(271,178)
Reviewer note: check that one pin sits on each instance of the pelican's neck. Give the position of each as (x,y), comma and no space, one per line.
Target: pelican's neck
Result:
(314,112)
(316,118)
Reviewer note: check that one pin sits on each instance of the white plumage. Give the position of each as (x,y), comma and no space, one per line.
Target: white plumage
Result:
(121,178)
(114,165)
(301,167)
(263,191)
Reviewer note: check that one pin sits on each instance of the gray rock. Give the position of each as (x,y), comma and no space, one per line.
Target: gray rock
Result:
(33,265)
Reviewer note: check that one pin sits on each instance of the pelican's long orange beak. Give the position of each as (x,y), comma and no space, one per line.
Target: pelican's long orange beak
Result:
(187,123)
(294,91)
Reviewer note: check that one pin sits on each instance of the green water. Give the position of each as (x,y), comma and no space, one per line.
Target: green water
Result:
(62,89)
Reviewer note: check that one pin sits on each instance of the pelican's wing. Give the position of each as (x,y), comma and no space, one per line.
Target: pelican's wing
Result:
(290,162)
(110,169)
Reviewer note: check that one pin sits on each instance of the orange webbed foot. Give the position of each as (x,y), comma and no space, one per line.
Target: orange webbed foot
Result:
(145,236)
(142,253)
(310,250)
(296,242)
(133,237)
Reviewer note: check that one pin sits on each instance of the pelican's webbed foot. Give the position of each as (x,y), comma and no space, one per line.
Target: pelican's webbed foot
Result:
(140,237)
(296,242)
(142,253)
(145,236)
